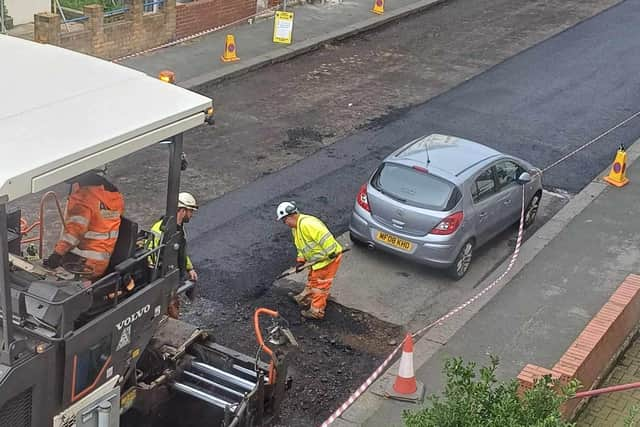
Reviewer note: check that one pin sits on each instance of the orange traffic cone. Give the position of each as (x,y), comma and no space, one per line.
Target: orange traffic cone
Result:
(378,7)
(230,48)
(406,380)
(404,387)
(618,174)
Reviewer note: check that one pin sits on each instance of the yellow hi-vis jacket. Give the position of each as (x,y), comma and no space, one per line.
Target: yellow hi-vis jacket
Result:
(184,262)
(314,241)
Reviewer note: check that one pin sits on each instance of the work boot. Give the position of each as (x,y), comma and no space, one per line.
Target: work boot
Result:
(309,314)
(191,294)
(301,299)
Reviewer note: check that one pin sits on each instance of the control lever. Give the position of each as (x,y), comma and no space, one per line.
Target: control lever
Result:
(280,334)
(279,327)
(38,270)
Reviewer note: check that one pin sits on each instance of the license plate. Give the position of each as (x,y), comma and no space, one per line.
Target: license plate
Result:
(394,241)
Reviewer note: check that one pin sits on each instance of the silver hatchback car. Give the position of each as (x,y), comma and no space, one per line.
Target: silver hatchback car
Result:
(439,197)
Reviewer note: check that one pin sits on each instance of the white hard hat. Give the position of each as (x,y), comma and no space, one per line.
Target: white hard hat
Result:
(286,208)
(187,201)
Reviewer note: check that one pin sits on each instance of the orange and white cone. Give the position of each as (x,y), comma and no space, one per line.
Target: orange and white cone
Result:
(406,380)
(404,386)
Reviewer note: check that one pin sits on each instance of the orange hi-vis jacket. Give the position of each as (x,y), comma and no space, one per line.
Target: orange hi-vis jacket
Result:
(92,221)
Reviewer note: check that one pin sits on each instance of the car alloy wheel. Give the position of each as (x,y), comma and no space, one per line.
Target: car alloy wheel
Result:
(532,211)
(463,261)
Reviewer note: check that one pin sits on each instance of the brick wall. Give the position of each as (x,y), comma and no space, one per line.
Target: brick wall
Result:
(134,30)
(594,351)
(116,36)
(79,41)
(202,15)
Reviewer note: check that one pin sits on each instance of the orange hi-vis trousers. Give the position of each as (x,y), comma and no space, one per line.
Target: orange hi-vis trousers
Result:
(318,286)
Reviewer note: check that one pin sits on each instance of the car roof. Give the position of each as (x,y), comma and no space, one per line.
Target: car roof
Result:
(64,113)
(449,155)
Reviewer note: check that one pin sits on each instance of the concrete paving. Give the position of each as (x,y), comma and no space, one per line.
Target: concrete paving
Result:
(399,291)
(555,291)
(613,409)
(197,61)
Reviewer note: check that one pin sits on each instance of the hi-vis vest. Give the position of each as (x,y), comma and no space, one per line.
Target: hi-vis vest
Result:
(92,221)
(314,241)
(155,242)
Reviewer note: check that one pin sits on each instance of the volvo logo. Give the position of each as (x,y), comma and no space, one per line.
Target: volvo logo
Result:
(133,317)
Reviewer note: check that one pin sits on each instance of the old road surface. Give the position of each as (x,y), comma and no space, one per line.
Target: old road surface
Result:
(536,78)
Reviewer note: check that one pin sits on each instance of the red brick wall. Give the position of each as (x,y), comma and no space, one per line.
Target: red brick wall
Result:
(202,15)
(132,31)
(591,354)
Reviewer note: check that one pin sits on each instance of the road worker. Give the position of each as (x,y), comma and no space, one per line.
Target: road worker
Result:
(92,221)
(187,206)
(316,245)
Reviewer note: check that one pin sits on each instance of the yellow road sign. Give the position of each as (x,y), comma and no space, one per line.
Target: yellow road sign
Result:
(283,27)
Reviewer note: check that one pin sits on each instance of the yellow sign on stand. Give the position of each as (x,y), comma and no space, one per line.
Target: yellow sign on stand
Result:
(283,27)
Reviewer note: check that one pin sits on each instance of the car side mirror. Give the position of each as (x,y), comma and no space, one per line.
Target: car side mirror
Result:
(524,178)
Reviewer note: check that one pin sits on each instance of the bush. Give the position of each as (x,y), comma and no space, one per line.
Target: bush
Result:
(79,4)
(475,399)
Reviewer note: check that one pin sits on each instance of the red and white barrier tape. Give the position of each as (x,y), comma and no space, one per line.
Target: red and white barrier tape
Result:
(355,395)
(193,36)
(477,296)
(597,138)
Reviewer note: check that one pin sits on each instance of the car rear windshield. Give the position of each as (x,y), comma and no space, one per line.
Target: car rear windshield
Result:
(415,187)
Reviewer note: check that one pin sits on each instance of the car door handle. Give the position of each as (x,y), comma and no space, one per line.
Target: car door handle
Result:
(507,202)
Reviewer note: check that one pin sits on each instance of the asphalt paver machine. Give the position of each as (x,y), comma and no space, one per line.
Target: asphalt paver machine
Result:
(80,353)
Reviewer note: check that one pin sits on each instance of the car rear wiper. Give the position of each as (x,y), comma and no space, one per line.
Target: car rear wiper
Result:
(393,196)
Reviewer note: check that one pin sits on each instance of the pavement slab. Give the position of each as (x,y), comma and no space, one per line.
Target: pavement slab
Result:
(399,291)
(548,302)
(197,61)
(621,403)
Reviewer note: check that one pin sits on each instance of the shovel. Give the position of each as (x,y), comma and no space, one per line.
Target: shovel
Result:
(292,270)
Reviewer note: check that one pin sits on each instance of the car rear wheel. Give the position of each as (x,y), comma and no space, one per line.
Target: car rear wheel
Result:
(463,261)
(531,211)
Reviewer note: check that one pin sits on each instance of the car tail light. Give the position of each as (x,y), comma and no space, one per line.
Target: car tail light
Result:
(448,225)
(363,199)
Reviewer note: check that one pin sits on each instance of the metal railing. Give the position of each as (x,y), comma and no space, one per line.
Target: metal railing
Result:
(107,14)
(115,12)
(78,19)
(151,6)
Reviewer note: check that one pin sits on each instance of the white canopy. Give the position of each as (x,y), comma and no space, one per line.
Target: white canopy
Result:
(63,113)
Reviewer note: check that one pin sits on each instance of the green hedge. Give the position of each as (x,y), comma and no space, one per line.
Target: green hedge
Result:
(475,398)
(79,4)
